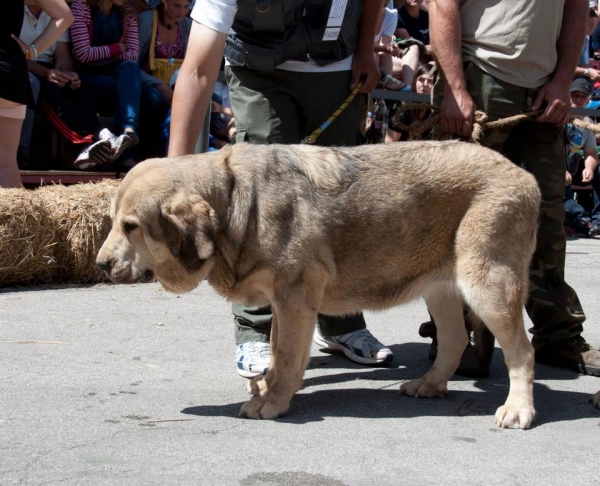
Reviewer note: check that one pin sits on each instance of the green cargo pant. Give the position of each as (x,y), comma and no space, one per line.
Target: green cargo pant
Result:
(553,306)
(284,107)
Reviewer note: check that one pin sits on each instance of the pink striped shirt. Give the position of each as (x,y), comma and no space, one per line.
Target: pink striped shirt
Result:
(81,36)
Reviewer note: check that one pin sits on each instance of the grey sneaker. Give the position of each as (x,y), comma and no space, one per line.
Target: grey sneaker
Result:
(98,153)
(359,346)
(253,359)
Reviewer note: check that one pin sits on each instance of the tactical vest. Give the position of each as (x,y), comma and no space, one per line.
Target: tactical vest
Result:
(266,33)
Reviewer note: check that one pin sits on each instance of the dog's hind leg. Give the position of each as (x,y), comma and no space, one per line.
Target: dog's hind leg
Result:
(446,307)
(498,300)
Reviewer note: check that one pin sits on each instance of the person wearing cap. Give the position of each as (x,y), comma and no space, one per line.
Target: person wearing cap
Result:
(488,62)
(581,170)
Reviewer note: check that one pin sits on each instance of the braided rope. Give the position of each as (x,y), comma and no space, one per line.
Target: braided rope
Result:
(480,121)
(314,135)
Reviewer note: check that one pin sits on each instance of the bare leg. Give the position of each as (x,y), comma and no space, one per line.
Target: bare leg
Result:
(407,65)
(10,132)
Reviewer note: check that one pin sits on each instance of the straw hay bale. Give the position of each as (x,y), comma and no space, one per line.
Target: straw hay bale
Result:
(52,234)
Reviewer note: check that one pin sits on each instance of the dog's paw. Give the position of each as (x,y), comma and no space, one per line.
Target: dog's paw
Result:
(422,388)
(596,400)
(513,417)
(257,386)
(264,407)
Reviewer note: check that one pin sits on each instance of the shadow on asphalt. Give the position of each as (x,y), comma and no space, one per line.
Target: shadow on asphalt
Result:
(410,362)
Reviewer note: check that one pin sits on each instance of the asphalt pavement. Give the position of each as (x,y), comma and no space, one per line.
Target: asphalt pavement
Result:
(122,385)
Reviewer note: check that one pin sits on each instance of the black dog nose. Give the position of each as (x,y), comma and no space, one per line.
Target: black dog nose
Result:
(104,265)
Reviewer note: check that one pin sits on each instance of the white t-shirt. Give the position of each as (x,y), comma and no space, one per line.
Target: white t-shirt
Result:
(32,29)
(390,22)
(219,14)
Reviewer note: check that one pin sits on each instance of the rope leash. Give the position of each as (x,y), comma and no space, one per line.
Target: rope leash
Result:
(314,135)
(480,121)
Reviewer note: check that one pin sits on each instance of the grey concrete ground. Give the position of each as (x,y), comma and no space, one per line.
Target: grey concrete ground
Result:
(131,385)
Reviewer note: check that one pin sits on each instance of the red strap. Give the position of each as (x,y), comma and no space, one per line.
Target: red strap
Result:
(71,135)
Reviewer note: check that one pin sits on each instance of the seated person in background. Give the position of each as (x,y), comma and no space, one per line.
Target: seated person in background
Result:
(222,124)
(413,22)
(583,68)
(53,81)
(581,170)
(105,42)
(386,49)
(163,35)
(422,84)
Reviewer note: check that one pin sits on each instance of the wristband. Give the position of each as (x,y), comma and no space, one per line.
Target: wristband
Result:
(33,50)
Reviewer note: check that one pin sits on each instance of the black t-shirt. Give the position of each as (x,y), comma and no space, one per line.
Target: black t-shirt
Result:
(14,80)
(417,28)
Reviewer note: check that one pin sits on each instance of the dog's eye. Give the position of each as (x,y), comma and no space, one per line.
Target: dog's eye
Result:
(129,227)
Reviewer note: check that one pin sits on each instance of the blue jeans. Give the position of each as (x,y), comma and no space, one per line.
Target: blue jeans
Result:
(115,87)
(154,111)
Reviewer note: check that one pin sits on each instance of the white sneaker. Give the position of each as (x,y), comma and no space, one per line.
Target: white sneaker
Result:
(359,346)
(95,154)
(253,359)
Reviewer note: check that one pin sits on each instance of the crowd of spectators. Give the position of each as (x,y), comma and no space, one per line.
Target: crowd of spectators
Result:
(119,58)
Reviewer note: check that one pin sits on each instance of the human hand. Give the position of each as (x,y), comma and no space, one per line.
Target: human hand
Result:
(555,97)
(364,65)
(457,111)
(393,49)
(586,176)
(167,92)
(57,77)
(568,179)
(594,75)
(123,47)
(74,78)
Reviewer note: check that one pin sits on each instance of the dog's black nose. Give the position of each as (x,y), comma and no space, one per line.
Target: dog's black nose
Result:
(104,265)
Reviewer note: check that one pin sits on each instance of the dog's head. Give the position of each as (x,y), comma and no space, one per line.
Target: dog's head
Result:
(159,231)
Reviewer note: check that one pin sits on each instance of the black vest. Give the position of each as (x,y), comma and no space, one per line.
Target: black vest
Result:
(266,33)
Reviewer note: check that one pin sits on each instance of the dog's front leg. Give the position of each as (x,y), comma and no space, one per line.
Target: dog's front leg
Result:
(294,320)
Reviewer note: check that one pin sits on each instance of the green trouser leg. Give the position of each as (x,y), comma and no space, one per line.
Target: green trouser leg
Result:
(284,107)
(254,324)
(553,306)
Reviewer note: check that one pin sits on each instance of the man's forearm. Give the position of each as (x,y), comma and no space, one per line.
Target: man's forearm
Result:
(368,23)
(195,84)
(446,41)
(190,103)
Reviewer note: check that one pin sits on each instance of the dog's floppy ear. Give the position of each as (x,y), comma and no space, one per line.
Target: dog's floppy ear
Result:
(189,225)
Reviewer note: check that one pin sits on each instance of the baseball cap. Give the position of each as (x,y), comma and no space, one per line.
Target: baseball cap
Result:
(581,85)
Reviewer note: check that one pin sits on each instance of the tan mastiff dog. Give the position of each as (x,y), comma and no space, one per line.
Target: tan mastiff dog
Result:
(340,230)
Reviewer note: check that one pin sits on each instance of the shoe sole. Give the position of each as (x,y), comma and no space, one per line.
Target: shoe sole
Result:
(248,374)
(338,348)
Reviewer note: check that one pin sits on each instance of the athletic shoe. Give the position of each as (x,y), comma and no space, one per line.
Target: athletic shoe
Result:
(98,153)
(123,142)
(253,359)
(358,346)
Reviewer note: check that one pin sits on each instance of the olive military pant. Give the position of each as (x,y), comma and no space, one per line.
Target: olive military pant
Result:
(553,306)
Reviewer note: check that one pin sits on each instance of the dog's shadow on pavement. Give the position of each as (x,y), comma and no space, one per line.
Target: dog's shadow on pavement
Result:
(313,404)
